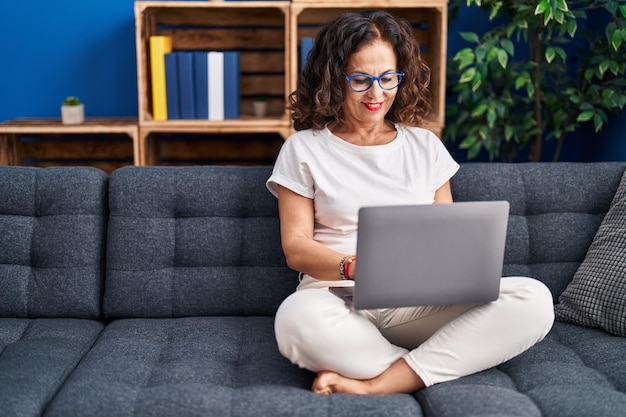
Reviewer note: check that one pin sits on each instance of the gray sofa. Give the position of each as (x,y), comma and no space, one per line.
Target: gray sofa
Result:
(152,293)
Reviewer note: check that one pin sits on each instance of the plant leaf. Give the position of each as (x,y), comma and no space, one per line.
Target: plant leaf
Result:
(616,39)
(541,7)
(604,65)
(598,122)
(508,46)
(479,110)
(491,118)
(572,26)
(547,16)
(492,54)
(468,142)
(550,54)
(477,81)
(468,75)
(470,37)
(508,132)
(480,52)
(585,116)
(465,58)
(503,58)
(586,106)
(473,151)
(483,132)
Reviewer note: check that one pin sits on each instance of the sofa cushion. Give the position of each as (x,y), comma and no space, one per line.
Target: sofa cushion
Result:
(36,356)
(596,296)
(52,224)
(193,241)
(550,225)
(203,366)
(573,372)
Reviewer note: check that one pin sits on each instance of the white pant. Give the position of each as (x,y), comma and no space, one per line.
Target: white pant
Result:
(317,331)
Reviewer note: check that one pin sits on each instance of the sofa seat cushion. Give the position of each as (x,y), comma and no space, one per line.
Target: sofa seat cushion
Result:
(573,372)
(36,356)
(208,366)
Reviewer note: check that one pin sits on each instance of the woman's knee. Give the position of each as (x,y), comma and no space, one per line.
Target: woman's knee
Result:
(534,299)
(303,319)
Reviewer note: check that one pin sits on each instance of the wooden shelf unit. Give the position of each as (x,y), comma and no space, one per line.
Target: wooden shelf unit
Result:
(428,17)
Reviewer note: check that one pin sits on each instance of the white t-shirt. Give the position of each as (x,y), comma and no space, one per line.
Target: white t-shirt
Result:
(341,177)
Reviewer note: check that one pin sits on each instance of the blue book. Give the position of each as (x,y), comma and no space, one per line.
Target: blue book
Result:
(305,46)
(186,85)
(231,85)
(171,86)
(201,76)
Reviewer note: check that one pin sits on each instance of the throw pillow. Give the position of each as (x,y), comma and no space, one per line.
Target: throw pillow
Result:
(596,297)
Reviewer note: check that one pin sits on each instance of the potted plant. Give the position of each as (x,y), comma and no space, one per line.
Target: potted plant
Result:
(72,111)
(259,106)
(539,74)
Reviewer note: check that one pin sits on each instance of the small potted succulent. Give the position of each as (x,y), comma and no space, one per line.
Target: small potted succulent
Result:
(72,111)
(259,106)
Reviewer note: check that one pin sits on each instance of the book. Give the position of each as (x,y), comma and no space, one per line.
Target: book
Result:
(305,47)
(201,81)
(203,84)
(216,85)
(159,46)
(186,85)
(231,85)
(171,86)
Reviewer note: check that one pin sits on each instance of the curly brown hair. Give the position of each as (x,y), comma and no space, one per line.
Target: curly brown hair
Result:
(318,97)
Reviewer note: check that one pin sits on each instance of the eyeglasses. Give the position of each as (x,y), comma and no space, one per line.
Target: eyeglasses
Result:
(362,82)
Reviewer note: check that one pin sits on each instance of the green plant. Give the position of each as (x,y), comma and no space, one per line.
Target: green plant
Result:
(538,74)
(71,101)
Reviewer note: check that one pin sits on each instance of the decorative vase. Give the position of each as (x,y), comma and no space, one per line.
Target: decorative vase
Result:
(72,115)
(259,108)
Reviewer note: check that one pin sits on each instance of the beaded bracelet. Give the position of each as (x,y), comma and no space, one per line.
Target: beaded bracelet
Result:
(347,267)
(342,266)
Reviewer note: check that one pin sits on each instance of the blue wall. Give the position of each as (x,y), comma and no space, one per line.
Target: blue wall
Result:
(609,144)
(52,49)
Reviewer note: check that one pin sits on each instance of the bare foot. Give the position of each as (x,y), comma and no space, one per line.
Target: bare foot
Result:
(399,377)
(331,382)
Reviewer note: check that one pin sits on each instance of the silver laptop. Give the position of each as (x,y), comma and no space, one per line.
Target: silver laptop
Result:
(436,254)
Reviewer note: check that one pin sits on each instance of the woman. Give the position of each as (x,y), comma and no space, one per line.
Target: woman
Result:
(358,103)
